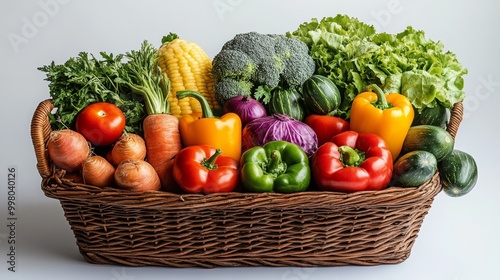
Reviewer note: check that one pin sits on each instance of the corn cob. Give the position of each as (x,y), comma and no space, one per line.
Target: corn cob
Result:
(189,68)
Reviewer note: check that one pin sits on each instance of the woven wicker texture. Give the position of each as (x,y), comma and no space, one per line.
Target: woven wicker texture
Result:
(237,229)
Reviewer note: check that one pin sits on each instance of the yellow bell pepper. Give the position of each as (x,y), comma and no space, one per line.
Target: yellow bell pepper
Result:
(389,116)
(222,133)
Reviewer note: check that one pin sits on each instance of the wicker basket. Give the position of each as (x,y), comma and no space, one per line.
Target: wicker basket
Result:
(113,226)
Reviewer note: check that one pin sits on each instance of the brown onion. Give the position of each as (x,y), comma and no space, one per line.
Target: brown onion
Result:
(67,149)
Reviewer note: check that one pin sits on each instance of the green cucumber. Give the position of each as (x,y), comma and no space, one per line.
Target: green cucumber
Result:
(414,168)
(321,95)
(458,173)
(288,102)
(437,115)
(430,138)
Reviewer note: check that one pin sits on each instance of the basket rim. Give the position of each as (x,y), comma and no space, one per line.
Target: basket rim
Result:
(65,190)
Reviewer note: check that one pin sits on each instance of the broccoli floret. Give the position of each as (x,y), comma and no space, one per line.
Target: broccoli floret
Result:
(298,64)
(260,48)
(257,46)
(232,64)
(264,61)
(228,88)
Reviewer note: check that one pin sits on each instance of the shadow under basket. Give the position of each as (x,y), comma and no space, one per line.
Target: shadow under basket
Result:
(313,228)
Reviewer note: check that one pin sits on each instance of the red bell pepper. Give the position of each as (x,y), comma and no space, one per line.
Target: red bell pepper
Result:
(352,162)
(202,169)
(326,126)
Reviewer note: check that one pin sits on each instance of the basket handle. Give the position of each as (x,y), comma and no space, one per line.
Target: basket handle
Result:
(40,132)
(456,116)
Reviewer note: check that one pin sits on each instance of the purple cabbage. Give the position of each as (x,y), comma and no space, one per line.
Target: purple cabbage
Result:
(280,127)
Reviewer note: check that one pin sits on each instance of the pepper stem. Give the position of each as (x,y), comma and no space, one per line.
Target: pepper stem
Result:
(205,107)
(381,102)
(209,163)
(350,156)
(276,166)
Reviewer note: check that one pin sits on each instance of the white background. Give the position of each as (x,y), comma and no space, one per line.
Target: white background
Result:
(459,237)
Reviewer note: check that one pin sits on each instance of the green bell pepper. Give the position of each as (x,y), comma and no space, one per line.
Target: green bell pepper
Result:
(277,166)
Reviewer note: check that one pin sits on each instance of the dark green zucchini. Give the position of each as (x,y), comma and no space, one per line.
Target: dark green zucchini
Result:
(430,138)
(414,168)
(437,115)
(288,102)
(458,173)
(321,95)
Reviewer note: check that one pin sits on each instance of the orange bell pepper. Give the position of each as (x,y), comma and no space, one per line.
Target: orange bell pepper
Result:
(389,116)
(222,133)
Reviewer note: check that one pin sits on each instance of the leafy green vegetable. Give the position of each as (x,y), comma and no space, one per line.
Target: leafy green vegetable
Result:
(85,79)
(353,55)
(143,76)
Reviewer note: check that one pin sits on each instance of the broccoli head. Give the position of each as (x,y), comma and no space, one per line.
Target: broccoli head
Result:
(262,61)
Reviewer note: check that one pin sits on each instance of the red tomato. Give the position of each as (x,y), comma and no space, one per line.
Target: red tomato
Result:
(101,123)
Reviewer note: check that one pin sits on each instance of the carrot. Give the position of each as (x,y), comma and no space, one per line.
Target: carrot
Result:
(97,171)
(163,142)
(161,129)
(136,175)
(129,146)
(67,149)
